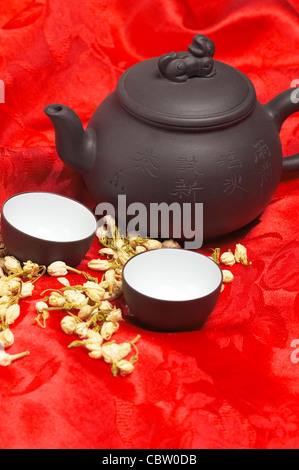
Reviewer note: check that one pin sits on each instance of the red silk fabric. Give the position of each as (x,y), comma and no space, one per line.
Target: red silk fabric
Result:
(234,384)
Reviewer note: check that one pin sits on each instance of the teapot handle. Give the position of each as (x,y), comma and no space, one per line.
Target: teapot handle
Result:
(279,109)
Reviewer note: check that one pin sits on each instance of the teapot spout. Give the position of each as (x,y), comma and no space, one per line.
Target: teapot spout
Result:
(75,146)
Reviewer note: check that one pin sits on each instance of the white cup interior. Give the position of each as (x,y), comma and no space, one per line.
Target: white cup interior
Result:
(172,274)
(49,216)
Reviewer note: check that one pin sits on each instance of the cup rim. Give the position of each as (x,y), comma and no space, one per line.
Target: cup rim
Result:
(158,299)
(46,239)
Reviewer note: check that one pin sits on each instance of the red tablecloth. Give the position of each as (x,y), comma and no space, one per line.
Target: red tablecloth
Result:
(233,384)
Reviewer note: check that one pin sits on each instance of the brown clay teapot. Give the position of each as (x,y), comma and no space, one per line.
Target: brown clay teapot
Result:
(182,128)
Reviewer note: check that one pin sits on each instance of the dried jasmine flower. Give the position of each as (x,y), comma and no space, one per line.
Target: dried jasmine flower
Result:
(4,287)
(99,264)
(56,300)
(94,334)
(102,232)
(94,291)
(4,299)
(96,322)
(108,252)
(124,367)
(134,241)
(3,309)
(15,285)
(12,265)
(119,243)
(240,254)
(227,276)
(41,306)
(93,344)
(6,338)
(86,311)
(227,258)
(98,354)
(105,307)
(12,313)
(30,269)
(116,291)
(43,313)
(152,244)
(75,298)
(58,268)
(27,290)
(132,236)
(115,315)
(110,275)
(64,281)
(6,359)
(107,230)
(108,329)
(111,279)
(122,257)
(110,224)
(113,353)
(170,244)
(140,249)
(81,330)
(68,325)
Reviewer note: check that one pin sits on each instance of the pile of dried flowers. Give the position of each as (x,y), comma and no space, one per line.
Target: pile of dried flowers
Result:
(16,283)
(90,315)
(89,312)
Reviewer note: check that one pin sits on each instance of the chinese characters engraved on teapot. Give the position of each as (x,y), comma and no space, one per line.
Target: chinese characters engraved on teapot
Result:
(190,180)
(146,161)
(262,158)
(233,179)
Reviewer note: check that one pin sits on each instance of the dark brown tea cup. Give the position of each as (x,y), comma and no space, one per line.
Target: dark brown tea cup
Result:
(171,290)
(44,227)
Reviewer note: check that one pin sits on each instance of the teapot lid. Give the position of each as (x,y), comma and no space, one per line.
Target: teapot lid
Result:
(187,89)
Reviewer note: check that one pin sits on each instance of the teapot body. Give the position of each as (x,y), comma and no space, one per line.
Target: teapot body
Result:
(181,131)
(232,170)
